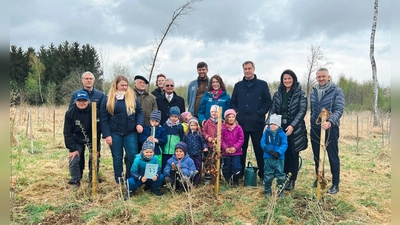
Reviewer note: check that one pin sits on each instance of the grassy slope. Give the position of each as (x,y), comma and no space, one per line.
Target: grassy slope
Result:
(39,192)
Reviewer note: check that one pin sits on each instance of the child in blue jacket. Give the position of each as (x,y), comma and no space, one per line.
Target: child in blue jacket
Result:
(138,170)
(274,143)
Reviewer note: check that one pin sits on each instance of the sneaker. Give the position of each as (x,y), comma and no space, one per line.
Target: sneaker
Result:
(334,189)
(158,193)
(75,184)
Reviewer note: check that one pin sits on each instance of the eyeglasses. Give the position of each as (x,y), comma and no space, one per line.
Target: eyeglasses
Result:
(169,85)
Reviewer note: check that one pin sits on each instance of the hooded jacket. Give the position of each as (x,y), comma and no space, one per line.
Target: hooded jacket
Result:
(139,166)
(186,164)
(232,138)
(276,143)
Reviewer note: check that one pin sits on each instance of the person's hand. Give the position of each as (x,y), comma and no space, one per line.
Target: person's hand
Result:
(289,130)
(326,125)
(139,128)
(233,150)
(205,150)
(265,127)
(274,154)
(73,154)
(155,178)
(109,140)
(144,179)
(155,140)
(209,139)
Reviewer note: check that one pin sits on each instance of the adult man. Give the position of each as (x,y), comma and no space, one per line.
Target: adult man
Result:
(95,95)
(169,99)
(147,100)
(88,86)
(78,136)
(159,83)
(251,100)
(197,88)
(329,96)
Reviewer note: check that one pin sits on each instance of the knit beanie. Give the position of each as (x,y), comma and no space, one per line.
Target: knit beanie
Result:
(193,119)
(214,108)
(275,119)
(184,116)
(148,145)
(182,145)
(155,115)
(229,111)
(174,111)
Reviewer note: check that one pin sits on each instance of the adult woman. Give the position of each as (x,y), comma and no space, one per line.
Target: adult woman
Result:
(290,101)
(216,95)
(160,85)
(121,121)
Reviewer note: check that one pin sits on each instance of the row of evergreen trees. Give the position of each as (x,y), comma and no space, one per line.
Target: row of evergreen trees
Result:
(50,75)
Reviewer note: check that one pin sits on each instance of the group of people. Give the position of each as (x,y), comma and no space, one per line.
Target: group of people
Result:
(157,132)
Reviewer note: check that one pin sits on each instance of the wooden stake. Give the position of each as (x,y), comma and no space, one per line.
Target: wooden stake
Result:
(54,127)
(31,132)
(218,149)
(94,150)
(320,176)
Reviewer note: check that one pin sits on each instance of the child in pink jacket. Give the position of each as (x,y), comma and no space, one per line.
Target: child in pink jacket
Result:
(232,139)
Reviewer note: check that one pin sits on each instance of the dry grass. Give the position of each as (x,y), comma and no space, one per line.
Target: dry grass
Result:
(39,191)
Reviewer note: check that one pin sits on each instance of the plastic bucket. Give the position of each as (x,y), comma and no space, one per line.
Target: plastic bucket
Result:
(250,175)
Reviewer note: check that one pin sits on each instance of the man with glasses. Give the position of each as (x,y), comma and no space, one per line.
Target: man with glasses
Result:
(78,137)
(88,86)
(169,99)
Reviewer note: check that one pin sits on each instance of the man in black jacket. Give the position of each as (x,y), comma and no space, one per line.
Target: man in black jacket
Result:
(78,136)
(252,100)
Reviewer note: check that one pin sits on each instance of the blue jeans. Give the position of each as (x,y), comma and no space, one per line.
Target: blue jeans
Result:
(128,142)
(155,185)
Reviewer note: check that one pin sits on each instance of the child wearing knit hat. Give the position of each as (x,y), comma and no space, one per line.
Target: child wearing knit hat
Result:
(232,139)
(156,133)
(185,117)
(196,146)
(174,130)
(274,144)
(142,163)
(180,168)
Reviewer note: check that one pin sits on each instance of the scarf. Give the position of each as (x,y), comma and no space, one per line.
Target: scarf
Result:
(321,90)
(216,93)
(230,127)
(119,95)
(171,124)
(214,120)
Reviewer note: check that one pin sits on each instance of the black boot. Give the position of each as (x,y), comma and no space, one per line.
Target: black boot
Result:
(334,189)
(290,185)
(236,180)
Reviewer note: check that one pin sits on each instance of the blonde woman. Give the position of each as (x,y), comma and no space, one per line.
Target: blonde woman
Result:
(121,121)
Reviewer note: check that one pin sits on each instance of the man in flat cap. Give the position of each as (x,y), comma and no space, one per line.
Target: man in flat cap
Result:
(146,99)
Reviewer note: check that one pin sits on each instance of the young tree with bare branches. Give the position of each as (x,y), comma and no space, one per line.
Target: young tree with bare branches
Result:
(373,65)
(182,11)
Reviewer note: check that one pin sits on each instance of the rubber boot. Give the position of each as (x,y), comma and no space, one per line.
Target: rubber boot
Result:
(236,180)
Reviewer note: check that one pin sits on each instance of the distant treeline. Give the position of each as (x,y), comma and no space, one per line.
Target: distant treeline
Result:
(49,76)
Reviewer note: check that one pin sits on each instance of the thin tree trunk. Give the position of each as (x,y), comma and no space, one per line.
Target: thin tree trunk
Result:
(373,65)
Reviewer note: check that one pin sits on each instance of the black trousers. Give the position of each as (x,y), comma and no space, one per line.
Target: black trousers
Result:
(331,140)
(255,139)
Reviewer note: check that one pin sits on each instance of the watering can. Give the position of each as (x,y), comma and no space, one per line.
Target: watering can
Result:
(250,175)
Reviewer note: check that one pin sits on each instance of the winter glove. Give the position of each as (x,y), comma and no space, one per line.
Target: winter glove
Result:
(274,154)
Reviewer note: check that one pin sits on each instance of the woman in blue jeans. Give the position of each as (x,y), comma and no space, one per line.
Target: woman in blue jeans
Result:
(121,121)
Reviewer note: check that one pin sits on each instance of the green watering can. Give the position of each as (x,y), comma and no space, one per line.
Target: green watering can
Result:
(250,175)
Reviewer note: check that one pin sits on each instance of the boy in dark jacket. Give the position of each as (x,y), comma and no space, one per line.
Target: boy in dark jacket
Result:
(274,145)
(78,136)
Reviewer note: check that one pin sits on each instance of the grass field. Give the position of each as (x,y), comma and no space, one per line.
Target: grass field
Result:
(39,193)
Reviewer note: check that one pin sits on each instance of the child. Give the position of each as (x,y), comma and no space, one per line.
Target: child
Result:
(185,117)
(156,133)
(180,160)
(209,131)
(274,144)
(138,170)
(196,146)
(232,139)
(174,132)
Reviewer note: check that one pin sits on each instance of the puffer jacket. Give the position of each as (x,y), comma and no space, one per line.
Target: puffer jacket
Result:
(232,138)
(186,164)
(297,111)
(139,166)
(333,101)
(224,101)
(195,143)
(277,143)
(210,129)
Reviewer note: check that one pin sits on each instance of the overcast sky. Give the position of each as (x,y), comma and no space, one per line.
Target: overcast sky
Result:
(275,34)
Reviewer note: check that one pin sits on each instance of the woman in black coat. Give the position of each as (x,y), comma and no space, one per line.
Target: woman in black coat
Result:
(290,101)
